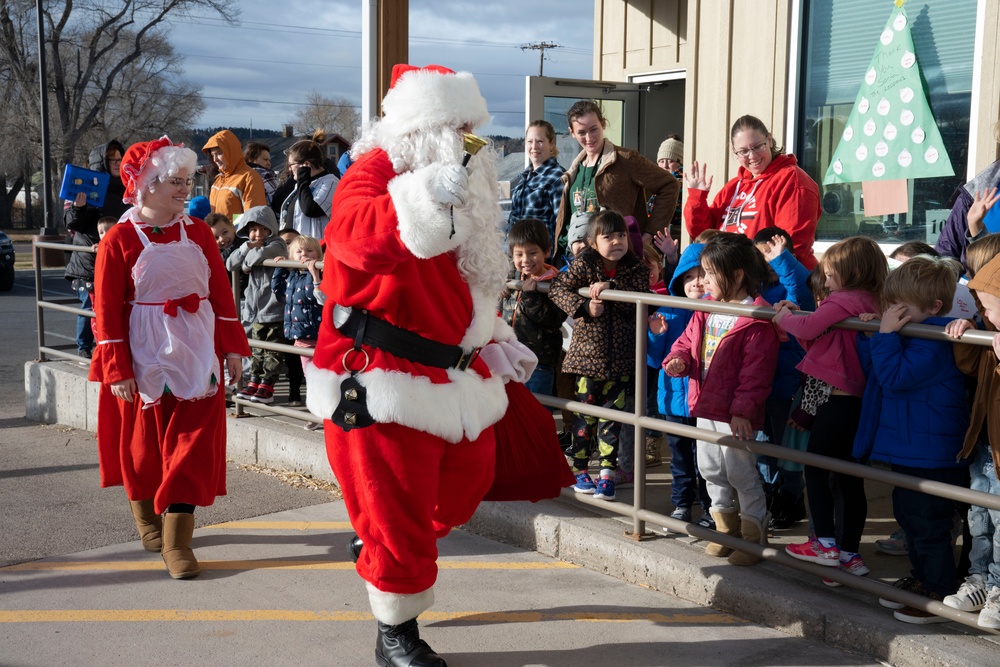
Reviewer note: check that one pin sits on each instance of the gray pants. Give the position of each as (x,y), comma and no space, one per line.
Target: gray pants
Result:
(730,474)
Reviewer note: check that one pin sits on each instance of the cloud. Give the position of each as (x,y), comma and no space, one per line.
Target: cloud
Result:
(256,72)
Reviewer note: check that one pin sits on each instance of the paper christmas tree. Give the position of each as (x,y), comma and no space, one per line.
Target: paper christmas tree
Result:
(891,133)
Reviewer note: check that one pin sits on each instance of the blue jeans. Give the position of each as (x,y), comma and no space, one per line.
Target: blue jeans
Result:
(84,334)
(985,555)
(927,522)
(687,485)
(542,380)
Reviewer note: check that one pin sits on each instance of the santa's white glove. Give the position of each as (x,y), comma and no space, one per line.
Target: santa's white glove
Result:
(511,360)
(450,185)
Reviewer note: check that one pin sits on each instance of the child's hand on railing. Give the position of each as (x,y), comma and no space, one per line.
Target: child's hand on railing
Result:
(956,328)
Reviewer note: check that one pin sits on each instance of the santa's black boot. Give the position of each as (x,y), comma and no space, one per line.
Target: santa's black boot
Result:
(401,646)
(354,548)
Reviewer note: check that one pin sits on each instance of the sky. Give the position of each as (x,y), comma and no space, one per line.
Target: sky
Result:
(252,74)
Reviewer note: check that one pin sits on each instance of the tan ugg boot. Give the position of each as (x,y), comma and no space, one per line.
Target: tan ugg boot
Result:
(149,523)
(726,523)
(752,532)
(178,529)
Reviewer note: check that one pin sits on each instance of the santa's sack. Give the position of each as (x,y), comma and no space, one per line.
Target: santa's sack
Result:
(530,464)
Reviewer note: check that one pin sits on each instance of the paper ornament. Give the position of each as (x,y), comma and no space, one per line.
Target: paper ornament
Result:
(891,133)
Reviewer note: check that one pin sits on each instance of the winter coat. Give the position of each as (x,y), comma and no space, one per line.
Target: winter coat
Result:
(914,411)
(260,305)
(671,392)
(535,319)
(307,208)
(602,347)
(783,196)
(83,220)
(624,182)
(237,188)
(792,285)
(954,236)
(982,362)
(303,302)
(537,195)
(833,356)
(738,381)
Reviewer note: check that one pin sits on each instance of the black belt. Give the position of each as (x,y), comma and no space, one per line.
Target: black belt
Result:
(364,328)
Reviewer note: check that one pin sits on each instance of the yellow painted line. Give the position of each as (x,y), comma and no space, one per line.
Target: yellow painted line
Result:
(141,566)
(281,525)
(290,615)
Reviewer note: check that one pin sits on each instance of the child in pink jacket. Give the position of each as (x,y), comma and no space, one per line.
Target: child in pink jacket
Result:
(731,362)
(855,270)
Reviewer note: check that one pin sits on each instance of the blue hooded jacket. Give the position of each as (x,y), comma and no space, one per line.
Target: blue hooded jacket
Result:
(672,393)
(793,285)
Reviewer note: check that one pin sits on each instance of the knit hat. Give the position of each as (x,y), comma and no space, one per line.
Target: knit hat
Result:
(670,149)
(987,279)
(579,223)
(199,207)
(425,97)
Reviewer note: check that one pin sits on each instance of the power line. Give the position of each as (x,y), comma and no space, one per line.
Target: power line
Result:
(541,47)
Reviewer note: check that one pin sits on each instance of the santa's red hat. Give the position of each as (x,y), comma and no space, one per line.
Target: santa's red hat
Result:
(423,97)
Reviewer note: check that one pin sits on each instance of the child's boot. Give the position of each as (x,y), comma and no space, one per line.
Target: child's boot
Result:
(265,392)
(727,522)
(149,523)
(753,532)
(247,392)
(178,530)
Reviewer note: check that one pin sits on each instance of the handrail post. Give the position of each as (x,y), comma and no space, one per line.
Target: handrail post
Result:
(639,461)
(36,253)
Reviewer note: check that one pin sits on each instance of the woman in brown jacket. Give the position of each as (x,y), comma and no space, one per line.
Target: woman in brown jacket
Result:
(605,176)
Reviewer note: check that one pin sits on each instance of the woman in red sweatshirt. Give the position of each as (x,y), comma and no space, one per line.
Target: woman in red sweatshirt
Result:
(770,190)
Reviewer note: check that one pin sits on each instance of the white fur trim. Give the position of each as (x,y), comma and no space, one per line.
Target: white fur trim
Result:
(464,407)
(483,325)
(423,98)
(398,608)
(503,331)
(425,225)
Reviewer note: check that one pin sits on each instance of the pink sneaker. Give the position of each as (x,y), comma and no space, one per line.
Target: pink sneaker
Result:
(814,552)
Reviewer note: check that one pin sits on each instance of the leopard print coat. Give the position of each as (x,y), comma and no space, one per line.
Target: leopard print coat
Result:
(602,347)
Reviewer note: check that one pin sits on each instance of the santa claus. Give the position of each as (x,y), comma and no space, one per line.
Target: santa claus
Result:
(412,357)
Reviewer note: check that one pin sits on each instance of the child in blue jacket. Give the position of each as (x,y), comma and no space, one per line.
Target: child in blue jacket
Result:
(783,480)
(914,417)
(665,326)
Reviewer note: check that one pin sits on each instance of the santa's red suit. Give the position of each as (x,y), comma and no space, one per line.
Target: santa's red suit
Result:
(171,450)
(399,253)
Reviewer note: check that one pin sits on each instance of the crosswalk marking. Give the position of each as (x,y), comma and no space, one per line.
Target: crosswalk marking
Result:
(707,617)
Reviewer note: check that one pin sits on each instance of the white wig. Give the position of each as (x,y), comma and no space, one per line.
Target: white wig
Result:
(163,164)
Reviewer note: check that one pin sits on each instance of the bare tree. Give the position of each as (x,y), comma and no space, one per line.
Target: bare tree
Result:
(333,115)
(111,72)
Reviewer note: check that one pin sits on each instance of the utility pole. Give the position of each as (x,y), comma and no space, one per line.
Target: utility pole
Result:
(540,47)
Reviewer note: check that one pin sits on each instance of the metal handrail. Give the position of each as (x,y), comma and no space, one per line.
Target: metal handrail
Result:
(640,421)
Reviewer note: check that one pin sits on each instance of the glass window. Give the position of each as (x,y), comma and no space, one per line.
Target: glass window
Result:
(840,38)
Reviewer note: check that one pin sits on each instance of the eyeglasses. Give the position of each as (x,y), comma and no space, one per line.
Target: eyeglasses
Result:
(114,160)
(178,182)
(745,152)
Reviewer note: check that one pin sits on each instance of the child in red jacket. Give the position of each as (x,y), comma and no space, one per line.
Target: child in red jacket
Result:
(731,362)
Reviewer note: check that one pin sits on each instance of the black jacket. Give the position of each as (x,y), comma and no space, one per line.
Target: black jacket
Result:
(83,220)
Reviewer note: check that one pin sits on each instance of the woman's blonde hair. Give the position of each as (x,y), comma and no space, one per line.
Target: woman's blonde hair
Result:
(920,281)
(859,264)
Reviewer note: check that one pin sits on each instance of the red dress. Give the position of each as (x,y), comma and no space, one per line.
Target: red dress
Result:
(171,450)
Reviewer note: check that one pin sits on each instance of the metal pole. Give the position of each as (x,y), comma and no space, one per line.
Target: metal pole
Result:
(639,446)
(369,59)
(43,88)
(36,253)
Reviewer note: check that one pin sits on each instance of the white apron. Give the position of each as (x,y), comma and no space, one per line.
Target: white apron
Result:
(172,325)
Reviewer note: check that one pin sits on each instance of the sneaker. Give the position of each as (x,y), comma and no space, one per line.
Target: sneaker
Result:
(682,514)
(249,389)
(624,480)
(264,393)
(908,584)
(584,484)
(313,426)
(894,545)
(854,566)
(989,617)
(971,595)
(814,552)
(919,616)
(605,489)
(706,521)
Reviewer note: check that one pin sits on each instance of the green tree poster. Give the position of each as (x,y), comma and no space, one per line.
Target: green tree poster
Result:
(891,133)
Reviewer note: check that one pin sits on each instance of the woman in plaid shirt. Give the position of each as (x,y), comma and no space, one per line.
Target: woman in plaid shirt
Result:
(539,191)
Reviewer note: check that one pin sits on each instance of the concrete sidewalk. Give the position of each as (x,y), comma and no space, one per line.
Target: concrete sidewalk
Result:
(796,603)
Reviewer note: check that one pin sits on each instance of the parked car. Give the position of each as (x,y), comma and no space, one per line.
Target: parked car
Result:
(6,263)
